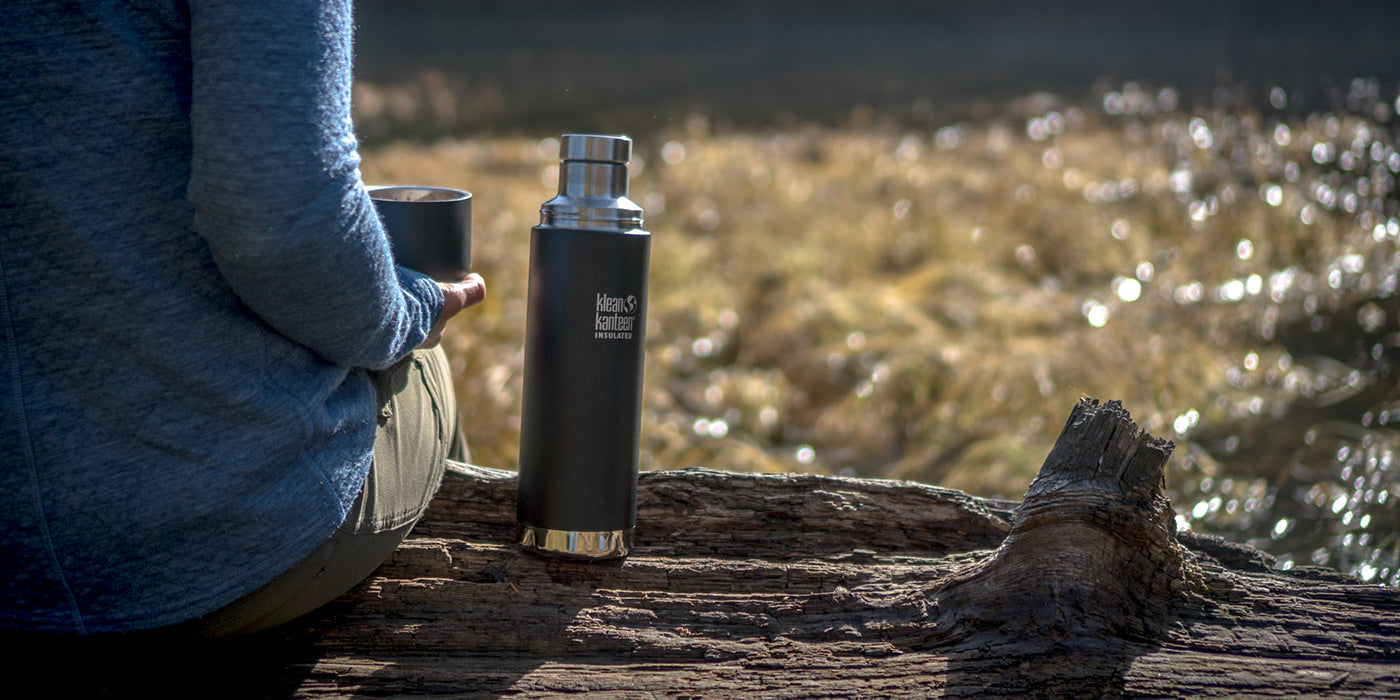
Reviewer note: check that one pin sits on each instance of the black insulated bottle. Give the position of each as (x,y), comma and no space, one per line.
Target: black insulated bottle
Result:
(585,325)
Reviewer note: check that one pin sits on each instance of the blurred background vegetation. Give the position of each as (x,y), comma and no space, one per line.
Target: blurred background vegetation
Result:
(901,239)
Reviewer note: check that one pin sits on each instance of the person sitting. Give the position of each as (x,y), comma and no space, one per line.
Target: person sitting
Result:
(221,404)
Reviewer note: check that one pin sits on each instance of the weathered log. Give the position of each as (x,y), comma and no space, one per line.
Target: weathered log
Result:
(793,585)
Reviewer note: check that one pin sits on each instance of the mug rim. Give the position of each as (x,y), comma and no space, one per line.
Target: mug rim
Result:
(435,194)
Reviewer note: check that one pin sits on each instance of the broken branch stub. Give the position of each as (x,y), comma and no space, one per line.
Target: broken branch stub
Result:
(1092,551)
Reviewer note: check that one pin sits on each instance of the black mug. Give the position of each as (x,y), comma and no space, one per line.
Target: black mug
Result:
(430,228)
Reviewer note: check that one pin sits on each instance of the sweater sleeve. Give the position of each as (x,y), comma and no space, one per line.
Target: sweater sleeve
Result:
(276,186)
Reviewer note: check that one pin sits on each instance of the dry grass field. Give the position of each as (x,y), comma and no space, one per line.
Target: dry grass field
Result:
(929,303)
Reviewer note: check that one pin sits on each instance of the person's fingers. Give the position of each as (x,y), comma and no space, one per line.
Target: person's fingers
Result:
(456,296)
(475,287)
(460,295)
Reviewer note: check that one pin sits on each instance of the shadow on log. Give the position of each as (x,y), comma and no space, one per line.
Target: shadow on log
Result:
(793,585)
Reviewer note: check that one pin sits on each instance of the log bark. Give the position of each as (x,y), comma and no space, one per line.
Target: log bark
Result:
(793,585)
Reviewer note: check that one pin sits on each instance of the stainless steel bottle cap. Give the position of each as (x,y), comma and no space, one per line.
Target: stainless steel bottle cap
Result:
(593,185)
(595,147)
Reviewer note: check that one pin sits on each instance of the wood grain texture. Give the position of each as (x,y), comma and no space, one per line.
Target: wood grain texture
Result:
(801,586)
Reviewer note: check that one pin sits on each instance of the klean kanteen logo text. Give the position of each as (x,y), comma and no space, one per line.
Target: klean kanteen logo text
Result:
(615,318)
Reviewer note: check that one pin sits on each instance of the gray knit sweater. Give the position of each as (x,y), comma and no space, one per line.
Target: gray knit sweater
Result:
(192,285)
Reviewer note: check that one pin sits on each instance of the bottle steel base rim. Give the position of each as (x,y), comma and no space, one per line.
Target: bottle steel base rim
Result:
(576,544)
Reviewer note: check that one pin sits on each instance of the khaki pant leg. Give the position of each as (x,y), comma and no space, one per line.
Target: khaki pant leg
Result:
(417,431)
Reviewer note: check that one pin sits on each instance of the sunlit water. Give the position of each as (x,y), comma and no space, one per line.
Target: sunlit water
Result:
(1302,464)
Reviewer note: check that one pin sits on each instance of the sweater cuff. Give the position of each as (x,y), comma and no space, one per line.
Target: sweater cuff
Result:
(424,298)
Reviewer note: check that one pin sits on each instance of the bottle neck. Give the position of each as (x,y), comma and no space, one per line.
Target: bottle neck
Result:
(592,179)
(593,195)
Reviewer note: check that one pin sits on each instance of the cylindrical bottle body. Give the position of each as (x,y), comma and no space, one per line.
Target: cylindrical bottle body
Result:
(581,414)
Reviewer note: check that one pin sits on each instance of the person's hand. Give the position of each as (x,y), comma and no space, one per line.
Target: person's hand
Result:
(456,296)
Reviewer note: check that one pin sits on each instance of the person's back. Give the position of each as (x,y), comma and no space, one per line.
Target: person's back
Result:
(193,287)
